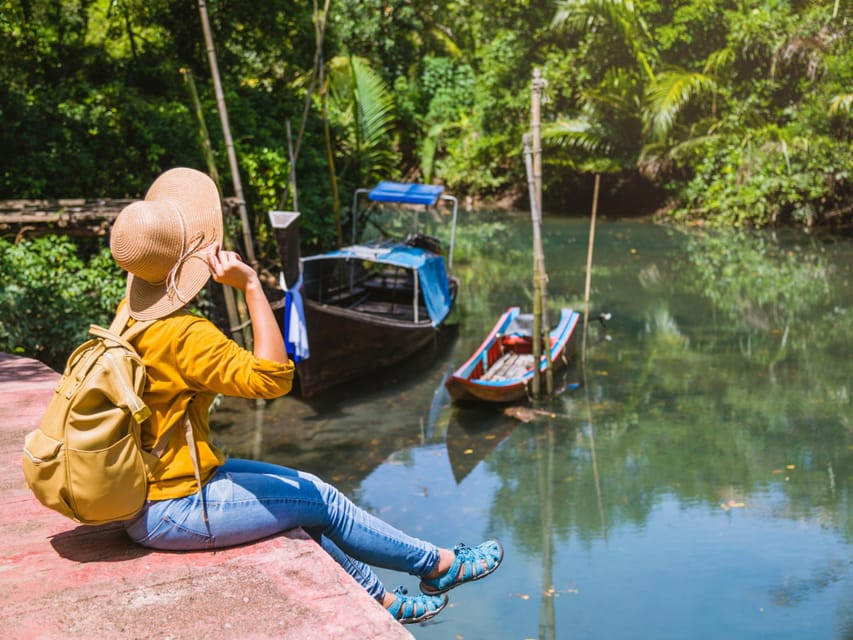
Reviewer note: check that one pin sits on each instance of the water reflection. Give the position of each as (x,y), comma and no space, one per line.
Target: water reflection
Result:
(473,434)
(698,485)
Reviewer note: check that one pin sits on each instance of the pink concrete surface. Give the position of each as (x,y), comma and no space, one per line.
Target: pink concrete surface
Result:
(59,579)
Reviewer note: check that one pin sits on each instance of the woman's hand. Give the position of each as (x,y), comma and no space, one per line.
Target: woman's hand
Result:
(228,269)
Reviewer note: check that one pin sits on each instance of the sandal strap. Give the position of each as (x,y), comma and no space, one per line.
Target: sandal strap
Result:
(407,609)
(469,563)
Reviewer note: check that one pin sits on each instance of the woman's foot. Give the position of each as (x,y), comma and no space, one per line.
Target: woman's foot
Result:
(468,564)
(408,609)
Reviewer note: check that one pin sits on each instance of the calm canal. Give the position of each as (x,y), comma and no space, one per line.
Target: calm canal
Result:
(698,486)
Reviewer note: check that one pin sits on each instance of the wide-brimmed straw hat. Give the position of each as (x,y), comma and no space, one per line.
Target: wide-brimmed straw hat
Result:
(162,242)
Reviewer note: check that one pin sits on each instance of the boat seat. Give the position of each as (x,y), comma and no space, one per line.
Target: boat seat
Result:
(520,343)
(347,297)
(517,343)
(509,365)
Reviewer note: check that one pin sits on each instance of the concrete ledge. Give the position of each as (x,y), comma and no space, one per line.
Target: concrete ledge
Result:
(62,580)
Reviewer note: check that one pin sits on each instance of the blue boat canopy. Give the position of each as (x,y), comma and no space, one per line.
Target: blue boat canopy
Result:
(406,192)
(432,277)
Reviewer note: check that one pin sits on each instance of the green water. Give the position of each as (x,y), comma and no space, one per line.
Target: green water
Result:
(697,486)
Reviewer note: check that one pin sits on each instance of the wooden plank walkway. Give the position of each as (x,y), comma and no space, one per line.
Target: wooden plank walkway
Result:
(62,580)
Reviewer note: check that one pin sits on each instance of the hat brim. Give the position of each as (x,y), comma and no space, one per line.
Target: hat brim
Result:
(197,198)
(148,301)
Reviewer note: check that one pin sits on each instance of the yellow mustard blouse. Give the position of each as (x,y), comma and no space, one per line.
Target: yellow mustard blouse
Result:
(189,361)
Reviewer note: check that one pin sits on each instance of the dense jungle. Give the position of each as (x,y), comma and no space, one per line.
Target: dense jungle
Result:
(699,112)
(728,112)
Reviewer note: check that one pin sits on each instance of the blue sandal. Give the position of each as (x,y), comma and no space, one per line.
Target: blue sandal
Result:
(410,609)
(471,563)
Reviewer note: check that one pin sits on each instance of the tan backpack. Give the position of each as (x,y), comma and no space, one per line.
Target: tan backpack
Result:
(86,459)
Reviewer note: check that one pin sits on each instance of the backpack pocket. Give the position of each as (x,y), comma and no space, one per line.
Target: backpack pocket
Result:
(109,484)
(44,470)
(40,448)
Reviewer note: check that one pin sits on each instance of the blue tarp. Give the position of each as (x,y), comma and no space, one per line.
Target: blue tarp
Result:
(432,278)
(406,192)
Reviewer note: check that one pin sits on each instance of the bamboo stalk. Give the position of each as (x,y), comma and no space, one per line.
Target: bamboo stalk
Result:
(540,306)
(536,390)
(226,130)
(330,158)
(319,33)
(589,266)
(583,356)
(234,305)
(203,132)
(292,174)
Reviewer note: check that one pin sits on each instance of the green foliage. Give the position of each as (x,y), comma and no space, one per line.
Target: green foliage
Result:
(49,294)
(362,107)
(771,178)
(93,104)
(449,89)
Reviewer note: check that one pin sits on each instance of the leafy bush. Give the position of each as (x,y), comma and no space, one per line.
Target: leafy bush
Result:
(771,177)
(49,295)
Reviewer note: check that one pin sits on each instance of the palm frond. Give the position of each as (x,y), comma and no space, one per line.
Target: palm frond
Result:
(840,103)
(577,132)
(618,92)
(620,15)
(364,107)
(671,91)
(719,60)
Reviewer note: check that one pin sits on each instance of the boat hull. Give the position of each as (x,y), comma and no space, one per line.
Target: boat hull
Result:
(480,378)
(348,344)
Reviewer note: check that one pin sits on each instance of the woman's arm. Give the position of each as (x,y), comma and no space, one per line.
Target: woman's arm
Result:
(228,269)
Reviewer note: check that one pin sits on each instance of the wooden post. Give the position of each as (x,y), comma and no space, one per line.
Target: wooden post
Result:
(537,292)
(249,247)
(541,326)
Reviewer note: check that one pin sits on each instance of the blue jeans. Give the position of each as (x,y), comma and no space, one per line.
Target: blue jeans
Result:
(248,500)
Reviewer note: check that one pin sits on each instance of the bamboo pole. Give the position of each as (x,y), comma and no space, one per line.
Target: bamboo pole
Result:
(589,266)
(583,356)
(320,20)
(203,133)
(226,130)
(292,174)
(540,302)
(536,390)
(330,158)
(234,305)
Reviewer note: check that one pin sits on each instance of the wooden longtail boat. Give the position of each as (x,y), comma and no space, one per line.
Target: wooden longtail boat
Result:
(374,304)
(502,366)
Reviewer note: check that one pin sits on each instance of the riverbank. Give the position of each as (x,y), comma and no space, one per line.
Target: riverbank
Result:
(63,580)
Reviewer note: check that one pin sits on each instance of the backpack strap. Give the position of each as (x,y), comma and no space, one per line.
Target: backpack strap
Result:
(119,324)
(193,449)
(119,328)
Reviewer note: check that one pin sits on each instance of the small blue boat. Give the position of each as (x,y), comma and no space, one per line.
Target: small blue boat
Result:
(502,367)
